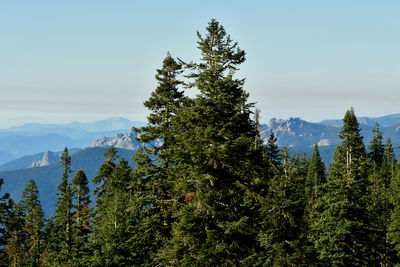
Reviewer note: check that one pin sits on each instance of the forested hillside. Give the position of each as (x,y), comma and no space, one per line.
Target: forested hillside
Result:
(47,178)
(213,194)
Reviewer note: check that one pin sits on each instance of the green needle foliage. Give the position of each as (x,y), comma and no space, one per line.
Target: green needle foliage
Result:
(61,232)
(112,233)
(34,222)
(345,235)
(273,150)
(82,218)
(213,151)
(206,190)
(282,241)
(153,201)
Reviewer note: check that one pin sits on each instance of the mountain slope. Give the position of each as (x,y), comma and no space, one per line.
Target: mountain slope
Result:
(48,178)
(27,161)
(32,138)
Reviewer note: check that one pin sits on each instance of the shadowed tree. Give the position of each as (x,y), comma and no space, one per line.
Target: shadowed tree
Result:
(345,235)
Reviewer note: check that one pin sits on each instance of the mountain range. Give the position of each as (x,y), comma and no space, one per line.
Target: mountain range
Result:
(33,138)
(47,141)
(296,132)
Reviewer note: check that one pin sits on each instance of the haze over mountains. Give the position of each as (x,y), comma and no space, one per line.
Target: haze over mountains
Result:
(27,144)
(34,149)
(34,138)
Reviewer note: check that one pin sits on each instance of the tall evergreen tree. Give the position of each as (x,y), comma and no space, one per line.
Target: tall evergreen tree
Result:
(6,205)
(273,150)
(15,243)
(82,217)
(388,167)
(213,150)
(153,201)
(382,162)
(283,243)
(12,236)
(104,173)
(393,231)
(112,233)
(315,181)
(316,175)
(101,181)
(63,218)
(34,222)
(376,148)
(344,233)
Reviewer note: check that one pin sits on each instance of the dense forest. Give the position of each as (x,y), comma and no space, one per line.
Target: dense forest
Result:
(214,194)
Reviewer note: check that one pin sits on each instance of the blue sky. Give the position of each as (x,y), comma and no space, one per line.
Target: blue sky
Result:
(63,61)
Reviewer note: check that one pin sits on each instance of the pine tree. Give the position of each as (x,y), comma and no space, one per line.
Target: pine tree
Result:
(283,243)
(376,148)
(101,181)
(34,222)
(152,201)
(112,233)
(315,176)
(376,156)
(393,230)
(13,236)
(315,181)
(381,158)
(273,150)
(104,173)
(344,234)
(388,166)
(6,207)
(82,217)
(63,219)
(212,153)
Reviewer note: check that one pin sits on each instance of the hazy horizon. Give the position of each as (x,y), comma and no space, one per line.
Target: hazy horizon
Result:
(65,61)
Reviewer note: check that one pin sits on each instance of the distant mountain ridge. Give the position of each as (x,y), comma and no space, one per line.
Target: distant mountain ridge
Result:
(293,132)
(36,160)
(33,138)
(296,132)
(110,124)
(384,121)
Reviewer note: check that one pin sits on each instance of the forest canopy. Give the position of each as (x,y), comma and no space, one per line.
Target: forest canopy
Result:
(213,193)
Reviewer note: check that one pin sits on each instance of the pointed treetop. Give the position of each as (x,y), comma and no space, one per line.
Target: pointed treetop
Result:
(218,50)
(350,124)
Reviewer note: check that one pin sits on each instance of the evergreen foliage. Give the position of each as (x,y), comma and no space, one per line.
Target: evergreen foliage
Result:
(282,242)
(6,205)
(206,191)
(33,224)
(213,150)
(153,202)
(345,234)
(112,236)
(63,219)
(82,217)
(273,150)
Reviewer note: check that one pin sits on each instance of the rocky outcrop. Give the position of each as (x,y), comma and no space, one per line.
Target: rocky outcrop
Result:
(48,158)
(125,141)
(296,132)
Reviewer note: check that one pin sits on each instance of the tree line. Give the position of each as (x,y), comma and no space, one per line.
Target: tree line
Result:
(213,193)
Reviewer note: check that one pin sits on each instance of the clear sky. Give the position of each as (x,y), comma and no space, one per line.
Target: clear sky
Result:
(64,61)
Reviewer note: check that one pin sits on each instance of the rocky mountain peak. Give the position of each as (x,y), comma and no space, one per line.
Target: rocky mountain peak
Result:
(48,158)
(122,140)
